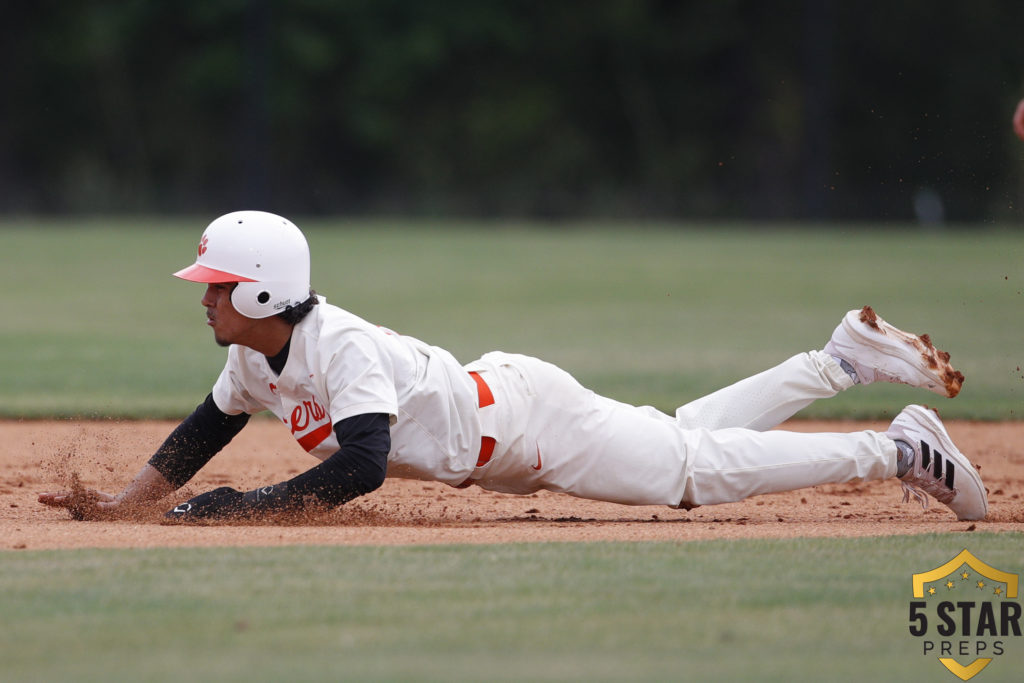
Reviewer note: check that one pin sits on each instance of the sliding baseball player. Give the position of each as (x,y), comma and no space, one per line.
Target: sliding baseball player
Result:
(367,403)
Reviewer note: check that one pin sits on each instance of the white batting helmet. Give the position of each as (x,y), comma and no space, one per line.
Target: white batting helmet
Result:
(265,254)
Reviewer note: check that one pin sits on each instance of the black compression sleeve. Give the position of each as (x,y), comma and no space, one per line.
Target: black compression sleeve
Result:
(358,467)
(198,438)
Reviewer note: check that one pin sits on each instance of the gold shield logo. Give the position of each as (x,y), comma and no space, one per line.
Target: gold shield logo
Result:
(964,612)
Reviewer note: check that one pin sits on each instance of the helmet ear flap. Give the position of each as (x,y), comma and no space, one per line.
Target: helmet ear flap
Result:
(264,299)
(252,299)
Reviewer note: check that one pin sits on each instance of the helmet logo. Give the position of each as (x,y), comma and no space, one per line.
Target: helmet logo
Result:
(202,245)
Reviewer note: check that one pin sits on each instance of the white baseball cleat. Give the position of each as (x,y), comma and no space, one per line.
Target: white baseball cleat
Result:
(939,469)
(879,352)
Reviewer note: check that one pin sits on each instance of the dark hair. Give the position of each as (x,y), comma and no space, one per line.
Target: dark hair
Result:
(294,314)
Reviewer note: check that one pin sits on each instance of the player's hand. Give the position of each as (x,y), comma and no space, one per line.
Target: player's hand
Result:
(87,504)
(1018,120)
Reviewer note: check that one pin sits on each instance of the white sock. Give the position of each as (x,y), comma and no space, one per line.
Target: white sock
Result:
(848,369)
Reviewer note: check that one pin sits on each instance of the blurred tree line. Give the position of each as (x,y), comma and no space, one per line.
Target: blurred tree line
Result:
(538,108)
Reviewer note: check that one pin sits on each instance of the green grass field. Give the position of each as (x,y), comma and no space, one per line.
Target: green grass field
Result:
(825,610)
(94,326)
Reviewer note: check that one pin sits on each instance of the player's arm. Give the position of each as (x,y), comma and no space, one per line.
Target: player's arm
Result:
(356,468)
(195,441)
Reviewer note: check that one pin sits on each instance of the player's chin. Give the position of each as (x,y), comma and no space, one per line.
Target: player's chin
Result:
(221,341)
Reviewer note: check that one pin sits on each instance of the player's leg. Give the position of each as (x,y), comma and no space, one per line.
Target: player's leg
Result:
(863,349)
(563,437)
(733,464)
(560,436)
(768,398)
(729,465)
(611,451)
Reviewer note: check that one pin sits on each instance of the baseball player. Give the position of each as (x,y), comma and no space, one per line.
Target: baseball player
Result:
(368,403)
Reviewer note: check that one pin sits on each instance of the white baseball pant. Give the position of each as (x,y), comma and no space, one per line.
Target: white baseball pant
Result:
(552,433)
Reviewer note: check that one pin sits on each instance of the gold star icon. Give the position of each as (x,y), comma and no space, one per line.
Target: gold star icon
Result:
(981,584)
(949,584)
(931,590)
(965,576)
(997,591)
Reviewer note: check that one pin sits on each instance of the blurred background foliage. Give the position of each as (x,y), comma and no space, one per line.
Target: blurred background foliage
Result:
(725,109)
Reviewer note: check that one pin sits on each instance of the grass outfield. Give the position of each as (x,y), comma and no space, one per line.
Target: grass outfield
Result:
(795,610)
(95,326)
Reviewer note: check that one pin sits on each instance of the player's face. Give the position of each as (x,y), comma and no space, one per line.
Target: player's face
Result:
(229,326)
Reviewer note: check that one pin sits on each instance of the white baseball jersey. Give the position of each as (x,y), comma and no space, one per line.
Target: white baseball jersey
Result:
(339,366)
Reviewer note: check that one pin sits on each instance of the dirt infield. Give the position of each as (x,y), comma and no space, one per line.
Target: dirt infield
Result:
(37,456)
